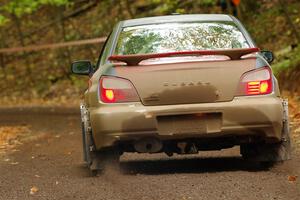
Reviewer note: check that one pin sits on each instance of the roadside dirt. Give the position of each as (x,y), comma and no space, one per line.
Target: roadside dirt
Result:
(49,166)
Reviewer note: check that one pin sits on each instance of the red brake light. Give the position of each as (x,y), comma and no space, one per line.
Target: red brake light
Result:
(256,82)
(117,90)
(109,95)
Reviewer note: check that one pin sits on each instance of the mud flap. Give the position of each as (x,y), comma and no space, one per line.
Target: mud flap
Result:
(286,147)
(95,160)
(87,141)
(271,152)
(82,112)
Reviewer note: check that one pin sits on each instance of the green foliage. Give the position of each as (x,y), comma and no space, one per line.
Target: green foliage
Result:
(45,74)
(19,8)
(287,61)
(22,7)
(54,2)
(208,2)
(168,6)
(3,20)
(281,66)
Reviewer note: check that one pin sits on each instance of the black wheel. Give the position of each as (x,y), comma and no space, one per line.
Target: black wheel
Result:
(267,152)
(106,160)
(93,172)
(98,161)
(95,160)
(271,153)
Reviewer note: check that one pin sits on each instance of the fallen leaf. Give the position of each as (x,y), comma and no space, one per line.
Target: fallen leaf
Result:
(34,190)
(292,178)
(297,115)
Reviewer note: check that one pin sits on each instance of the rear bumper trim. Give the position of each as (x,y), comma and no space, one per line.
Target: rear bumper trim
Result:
(242,116)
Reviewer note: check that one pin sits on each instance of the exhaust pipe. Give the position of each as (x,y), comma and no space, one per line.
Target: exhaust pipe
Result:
(148,145)
(187,148)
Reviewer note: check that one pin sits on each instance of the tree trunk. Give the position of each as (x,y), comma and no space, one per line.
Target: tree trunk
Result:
(2,61)
(2,64)
(229,7)
(120,9)
(81,35)
(19,30)
(239,13)
(22,42)
(67,53)
(129,10)
(289,20)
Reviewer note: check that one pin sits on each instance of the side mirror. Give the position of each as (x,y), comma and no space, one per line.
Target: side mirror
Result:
(268,55)
(82,67)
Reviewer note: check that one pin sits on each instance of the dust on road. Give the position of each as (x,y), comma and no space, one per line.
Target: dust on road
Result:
(49,166)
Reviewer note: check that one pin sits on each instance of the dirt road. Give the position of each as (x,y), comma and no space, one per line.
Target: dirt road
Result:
(48,165)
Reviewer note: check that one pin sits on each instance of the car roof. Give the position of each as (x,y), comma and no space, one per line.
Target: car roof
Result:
(175,18)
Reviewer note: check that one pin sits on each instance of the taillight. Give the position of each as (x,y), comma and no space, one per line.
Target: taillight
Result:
(117,90)
(256,82)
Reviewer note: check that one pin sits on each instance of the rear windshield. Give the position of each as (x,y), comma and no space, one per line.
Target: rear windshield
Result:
(173,37)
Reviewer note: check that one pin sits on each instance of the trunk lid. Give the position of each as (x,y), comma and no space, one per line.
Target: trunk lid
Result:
(188,82)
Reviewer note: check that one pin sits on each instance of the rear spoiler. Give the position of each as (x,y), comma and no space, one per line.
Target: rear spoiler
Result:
(135,59)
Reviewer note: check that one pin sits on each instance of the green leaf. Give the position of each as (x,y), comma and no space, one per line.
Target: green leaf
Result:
(3,20)
(20,8)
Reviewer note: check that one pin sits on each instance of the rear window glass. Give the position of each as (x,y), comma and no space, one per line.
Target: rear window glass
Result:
(173,37)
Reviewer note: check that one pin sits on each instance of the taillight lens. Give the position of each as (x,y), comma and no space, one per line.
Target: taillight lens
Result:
(256,82)
(117,90)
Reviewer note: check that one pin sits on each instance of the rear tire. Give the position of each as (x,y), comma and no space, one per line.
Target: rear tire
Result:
(107,160)
(271,153)
(267,153)
(95,160)
(100,161)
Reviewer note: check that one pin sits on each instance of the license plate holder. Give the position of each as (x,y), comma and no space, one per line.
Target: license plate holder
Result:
(199,123)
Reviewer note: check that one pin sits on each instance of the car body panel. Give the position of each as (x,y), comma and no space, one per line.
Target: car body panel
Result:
(183,83)
(176,19)
(182,99)
(113,38)
(242,116)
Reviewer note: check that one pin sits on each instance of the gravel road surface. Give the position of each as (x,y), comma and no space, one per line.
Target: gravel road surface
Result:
(48,165)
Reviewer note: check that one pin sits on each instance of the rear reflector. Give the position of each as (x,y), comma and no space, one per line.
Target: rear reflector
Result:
(256,82)
(117,90)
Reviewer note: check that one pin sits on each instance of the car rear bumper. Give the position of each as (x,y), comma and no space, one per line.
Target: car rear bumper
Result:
(261,115)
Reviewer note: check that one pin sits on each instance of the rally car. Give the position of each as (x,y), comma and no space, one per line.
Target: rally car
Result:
(181,84)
